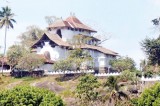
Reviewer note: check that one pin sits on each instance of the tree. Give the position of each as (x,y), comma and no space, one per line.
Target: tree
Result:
(29,96)
(156,21)
(79,56)
(30,61)
(127,75)
(6,20)
(86,89)
(152,49)
(14,54)
(32,34)
(62,65)
(150,96)
(114,93)
(74,61)
(78,40)
(123,63)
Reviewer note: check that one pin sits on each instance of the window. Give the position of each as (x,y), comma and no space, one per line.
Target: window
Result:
(49,29)
(59,33)
(72,29)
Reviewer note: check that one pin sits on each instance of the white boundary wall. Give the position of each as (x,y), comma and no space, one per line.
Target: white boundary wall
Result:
(107,74)
(157,78)
(68,72)
(5,71)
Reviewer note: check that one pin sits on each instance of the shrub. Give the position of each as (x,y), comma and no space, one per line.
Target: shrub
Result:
(150,96)
(86,89)
(29,96)
(148,74)
(127,75)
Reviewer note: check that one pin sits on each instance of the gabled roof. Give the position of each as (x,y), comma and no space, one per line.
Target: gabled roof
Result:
(72,22)
(100,49)
(59,23)
(76,23)
(55,38)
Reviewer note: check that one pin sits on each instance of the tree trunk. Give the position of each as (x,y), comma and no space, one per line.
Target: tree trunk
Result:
(4,49)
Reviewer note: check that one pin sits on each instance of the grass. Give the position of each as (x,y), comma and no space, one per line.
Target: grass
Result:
(67,93)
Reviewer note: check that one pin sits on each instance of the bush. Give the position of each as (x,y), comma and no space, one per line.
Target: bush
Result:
(150,96)
(148,74)
(29,96)
(126,75)
(86,90)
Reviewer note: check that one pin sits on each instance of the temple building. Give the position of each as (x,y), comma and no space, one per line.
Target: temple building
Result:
(55,43)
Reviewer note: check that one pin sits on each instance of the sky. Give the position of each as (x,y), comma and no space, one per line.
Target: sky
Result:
(124,22)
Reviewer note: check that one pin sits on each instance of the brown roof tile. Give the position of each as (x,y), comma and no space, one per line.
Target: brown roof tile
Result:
(59,23)
(74,21)
(55,38)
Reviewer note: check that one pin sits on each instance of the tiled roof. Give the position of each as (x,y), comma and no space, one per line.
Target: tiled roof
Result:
(72,22)
(100,49)
(55,38)
(59,23)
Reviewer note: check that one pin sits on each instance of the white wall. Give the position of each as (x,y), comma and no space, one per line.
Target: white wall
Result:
(68,34)
(47,67)
(100,59)
(56,53)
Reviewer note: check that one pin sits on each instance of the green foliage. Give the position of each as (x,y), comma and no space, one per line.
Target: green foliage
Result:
(123,63)
(150,96)
(67,93)
(113,89)
(29,96)
(32,34)
(62,65)
(6,17)
(6,20)
(78,40)
(134,101)
(138,73)
(14,53)
(74,61)
(79,56)
(30,61)
(148,74)
(127,75)
(111,82)
(86,89)
(152,49)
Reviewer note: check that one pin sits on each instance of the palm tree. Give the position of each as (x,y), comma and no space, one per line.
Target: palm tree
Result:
(114,93)
(6,19)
